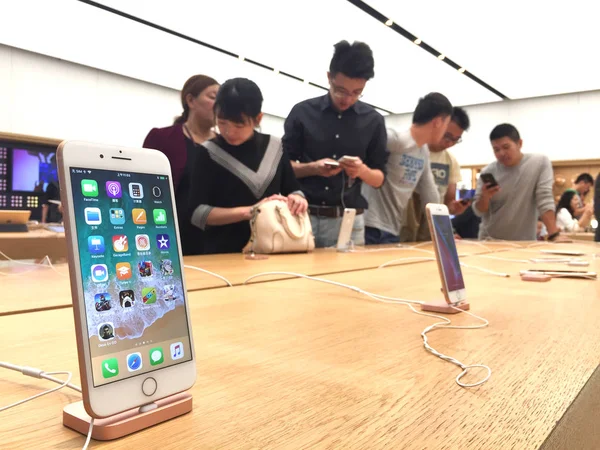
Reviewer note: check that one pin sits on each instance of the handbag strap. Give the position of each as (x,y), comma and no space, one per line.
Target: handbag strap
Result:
(284,221)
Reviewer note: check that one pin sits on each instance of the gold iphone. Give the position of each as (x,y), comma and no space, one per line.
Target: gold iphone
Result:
(446,254)
(133,329)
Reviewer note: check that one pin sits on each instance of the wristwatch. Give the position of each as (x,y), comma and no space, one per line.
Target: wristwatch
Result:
(553,236)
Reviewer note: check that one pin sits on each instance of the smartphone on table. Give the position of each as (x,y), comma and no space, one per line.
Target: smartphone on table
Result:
(133,329)
(453,285)
(345,234)
(562,273)
(488,178)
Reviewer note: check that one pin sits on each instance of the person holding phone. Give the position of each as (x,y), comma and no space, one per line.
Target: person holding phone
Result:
(583,184)
(319,132)
(238,170)
(513,189)
(565,213)
(408,170)
(179,143)
(446,173)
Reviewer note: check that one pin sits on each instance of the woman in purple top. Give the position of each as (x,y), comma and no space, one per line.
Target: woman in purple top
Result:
(180,142)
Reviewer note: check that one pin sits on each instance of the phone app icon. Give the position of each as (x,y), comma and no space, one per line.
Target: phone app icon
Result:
(156,356)
(169,292)
(93,216)
(166,267)
(89,188)
(96,245)
(139,216)
(156,192)
(126,298)
(113,189)
(102,301)
(160,216)
(110,368)
(120,243)
(134,361)
(145,268)
(142,242)
(99,273)
(176,351)
(106,331)
(163,242)
(117,216)
(149,295)
(136,190)
(123,271)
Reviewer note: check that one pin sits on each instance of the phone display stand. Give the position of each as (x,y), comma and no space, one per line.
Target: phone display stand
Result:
(445,308)
(127,422)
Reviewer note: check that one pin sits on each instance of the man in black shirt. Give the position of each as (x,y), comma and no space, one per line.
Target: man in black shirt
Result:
(322,130)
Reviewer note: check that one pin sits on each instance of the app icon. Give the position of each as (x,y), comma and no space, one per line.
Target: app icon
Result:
(166,267)
(162,242)
(169,292)
(136,190)
(134,361)
(176,351)
(156,192)
(145,268)
(142,242)
(89,188)
(149,295)
(106,331)
(156,356)
(120,243)
(113,189)
(102,301)
(126,298)
(123,271)
(99,273)
(93,216)
(139,216)
(110,368)
(160,216)
(117,216)
(96,245)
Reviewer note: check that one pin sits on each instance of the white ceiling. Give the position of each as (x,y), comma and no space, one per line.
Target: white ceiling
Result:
(523,48)
(298,36)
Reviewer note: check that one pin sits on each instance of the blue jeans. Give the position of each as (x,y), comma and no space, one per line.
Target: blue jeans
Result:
(376,236)
(327,230)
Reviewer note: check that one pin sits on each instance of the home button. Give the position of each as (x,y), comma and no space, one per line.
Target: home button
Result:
(149,386)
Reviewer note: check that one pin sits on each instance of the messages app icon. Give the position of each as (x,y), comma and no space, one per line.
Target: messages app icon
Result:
(156,356)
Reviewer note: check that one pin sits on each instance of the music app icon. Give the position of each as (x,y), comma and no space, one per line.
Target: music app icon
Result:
(176,351)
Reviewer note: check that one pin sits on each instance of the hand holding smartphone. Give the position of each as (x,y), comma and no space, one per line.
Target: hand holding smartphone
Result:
(489,180)
(133,330)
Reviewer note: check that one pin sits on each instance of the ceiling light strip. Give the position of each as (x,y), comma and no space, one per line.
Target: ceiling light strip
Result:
(414,39)
(205,44)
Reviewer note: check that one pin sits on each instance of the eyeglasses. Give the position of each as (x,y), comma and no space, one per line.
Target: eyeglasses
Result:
(342,93)
(448,137)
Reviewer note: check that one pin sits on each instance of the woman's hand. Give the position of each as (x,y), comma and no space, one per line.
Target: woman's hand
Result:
(271,198)
(297,204)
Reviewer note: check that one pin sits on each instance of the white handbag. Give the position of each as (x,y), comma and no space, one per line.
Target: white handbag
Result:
(275,230)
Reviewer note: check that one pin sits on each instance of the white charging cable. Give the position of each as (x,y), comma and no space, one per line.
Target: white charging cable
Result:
(24,263)
(216,275)
(491,272)
(39,373)
(438,325)
(395,261)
